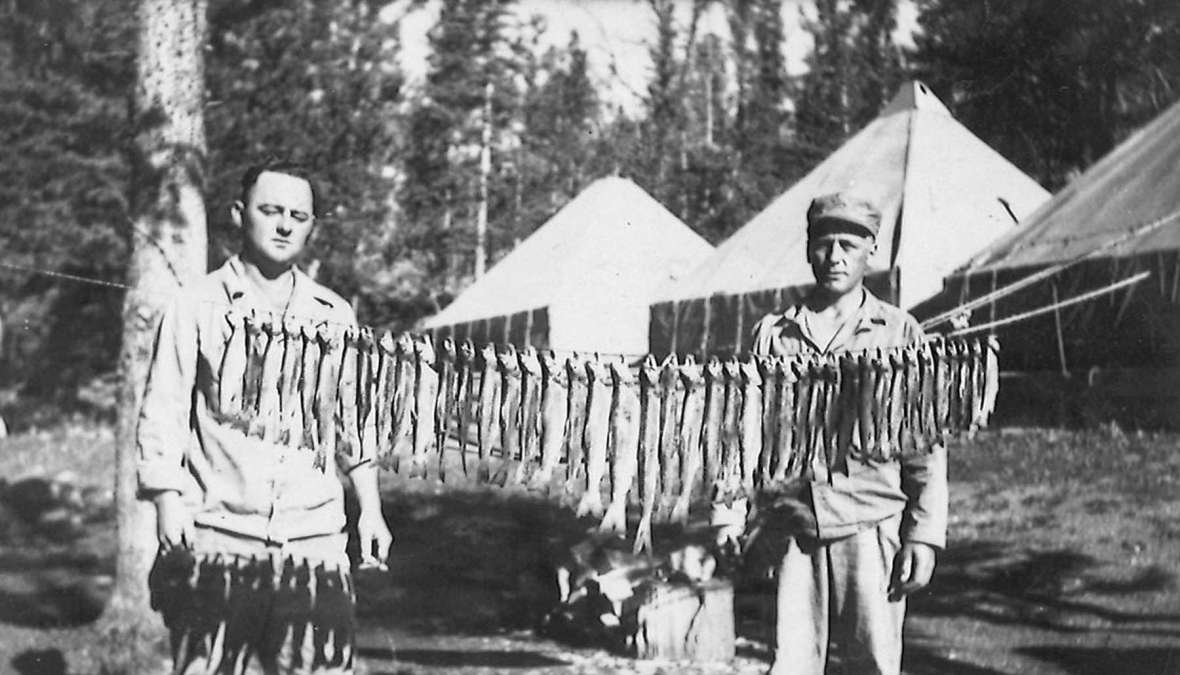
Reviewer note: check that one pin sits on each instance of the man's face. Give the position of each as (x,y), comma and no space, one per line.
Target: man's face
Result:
(839,259)
(276,218)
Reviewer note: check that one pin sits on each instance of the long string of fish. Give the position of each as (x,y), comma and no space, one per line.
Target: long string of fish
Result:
(596,432)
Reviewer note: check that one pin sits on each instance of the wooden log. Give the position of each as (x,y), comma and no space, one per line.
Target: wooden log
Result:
(686,622)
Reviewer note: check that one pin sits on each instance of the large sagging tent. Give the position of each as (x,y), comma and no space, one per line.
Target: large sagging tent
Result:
(584,280)
(1124,214)
(943,195)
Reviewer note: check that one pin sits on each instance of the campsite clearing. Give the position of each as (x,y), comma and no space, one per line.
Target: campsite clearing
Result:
(1060,561)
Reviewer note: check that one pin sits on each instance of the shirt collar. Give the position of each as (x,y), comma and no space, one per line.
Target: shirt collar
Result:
(238,287)
(871,313)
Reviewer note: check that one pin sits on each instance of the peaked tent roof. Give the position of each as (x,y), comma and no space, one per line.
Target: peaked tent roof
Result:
(1136,183)
(612,245)
(950,192)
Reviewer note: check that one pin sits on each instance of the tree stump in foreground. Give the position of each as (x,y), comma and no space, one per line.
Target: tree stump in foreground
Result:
(686,622)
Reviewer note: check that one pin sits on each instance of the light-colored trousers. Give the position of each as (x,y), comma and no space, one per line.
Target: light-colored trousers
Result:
(833,597)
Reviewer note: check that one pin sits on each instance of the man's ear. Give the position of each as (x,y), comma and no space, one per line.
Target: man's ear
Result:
(235,212)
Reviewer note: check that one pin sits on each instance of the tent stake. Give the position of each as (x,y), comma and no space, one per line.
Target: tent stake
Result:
(1057,325)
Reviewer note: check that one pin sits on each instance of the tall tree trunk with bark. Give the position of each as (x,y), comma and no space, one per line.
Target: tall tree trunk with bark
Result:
(168,251)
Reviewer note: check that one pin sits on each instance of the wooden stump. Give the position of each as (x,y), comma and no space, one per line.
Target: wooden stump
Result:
(686,622)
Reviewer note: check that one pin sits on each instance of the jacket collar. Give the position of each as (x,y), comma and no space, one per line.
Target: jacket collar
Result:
(871,313)
(237,286)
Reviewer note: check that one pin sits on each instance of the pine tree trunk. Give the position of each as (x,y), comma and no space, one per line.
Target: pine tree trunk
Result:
(168,250)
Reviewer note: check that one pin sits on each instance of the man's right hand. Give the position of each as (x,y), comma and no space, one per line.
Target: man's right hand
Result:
(174,524)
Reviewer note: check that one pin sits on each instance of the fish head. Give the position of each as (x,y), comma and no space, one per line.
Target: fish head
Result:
(424,348)
(714,369)
(529,362)
(467,351)
(386,343)
(619,371)
(447,353)
(649,371)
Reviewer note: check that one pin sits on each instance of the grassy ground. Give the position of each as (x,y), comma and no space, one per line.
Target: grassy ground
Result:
(1061,561)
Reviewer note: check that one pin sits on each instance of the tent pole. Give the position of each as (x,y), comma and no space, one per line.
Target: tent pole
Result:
(672,346)
(741,321)
(1176,279)
(705,332)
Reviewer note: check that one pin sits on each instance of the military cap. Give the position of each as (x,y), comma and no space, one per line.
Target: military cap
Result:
(844,208)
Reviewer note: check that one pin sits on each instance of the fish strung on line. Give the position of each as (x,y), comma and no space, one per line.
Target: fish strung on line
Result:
(231,374)
(897,378)
(444,406)
(830,417)
(488,413)
(866,425)
(912,442)
(368,361)
(750,425)
(466,398)
(784,462)
(425,400)
(530,416)
(331,350)
(883,407)
(290,405)
(347,394)
(847,408)
(265,423)
(649,449)
(510,414)
(595,441)
(386,386)
(711,426)
(767,369)
(624,446)
(309,379)
(670,408)
(729,480)
(579,394)
(692,379)
(554,409)
(801,445)
(991,377)
(404,405)
(257,339)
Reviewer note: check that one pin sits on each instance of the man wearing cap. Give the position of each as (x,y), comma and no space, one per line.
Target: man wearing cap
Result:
(864,535)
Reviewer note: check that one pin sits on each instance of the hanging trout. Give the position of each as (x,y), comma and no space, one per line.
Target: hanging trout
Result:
(770,397)
(711,427)
(624,446)
(386,387)
(884,389)
(991,376)
(327,384)
(670,408)
(444,408)
(554,408)
(347,394)
(692,416)
(942,389)
(510,393)
(866,405)
(257,339)
(466,397)
(804,391)
(750,425)
(579,393)
(403,400)
(848,406)
(530,416)
(425,402)
(488,412)
(368,360)
(785,462)
(897,379)
(232,373)
(729,481)
(649,446)
(265,424)
(309,379)
(290,404)
(595,441)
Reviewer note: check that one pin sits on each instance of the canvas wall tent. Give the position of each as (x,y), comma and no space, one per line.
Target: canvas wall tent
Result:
(1136,185)
(584,280)
(943,195)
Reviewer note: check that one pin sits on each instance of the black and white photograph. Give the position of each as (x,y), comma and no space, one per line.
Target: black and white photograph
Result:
(566,337)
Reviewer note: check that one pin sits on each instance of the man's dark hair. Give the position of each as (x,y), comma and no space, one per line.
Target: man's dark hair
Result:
(284,166)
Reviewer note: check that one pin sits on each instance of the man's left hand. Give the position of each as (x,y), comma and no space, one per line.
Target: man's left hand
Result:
(375,539)
(912,568)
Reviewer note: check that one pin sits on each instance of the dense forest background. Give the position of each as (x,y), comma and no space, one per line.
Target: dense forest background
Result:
(722,130)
